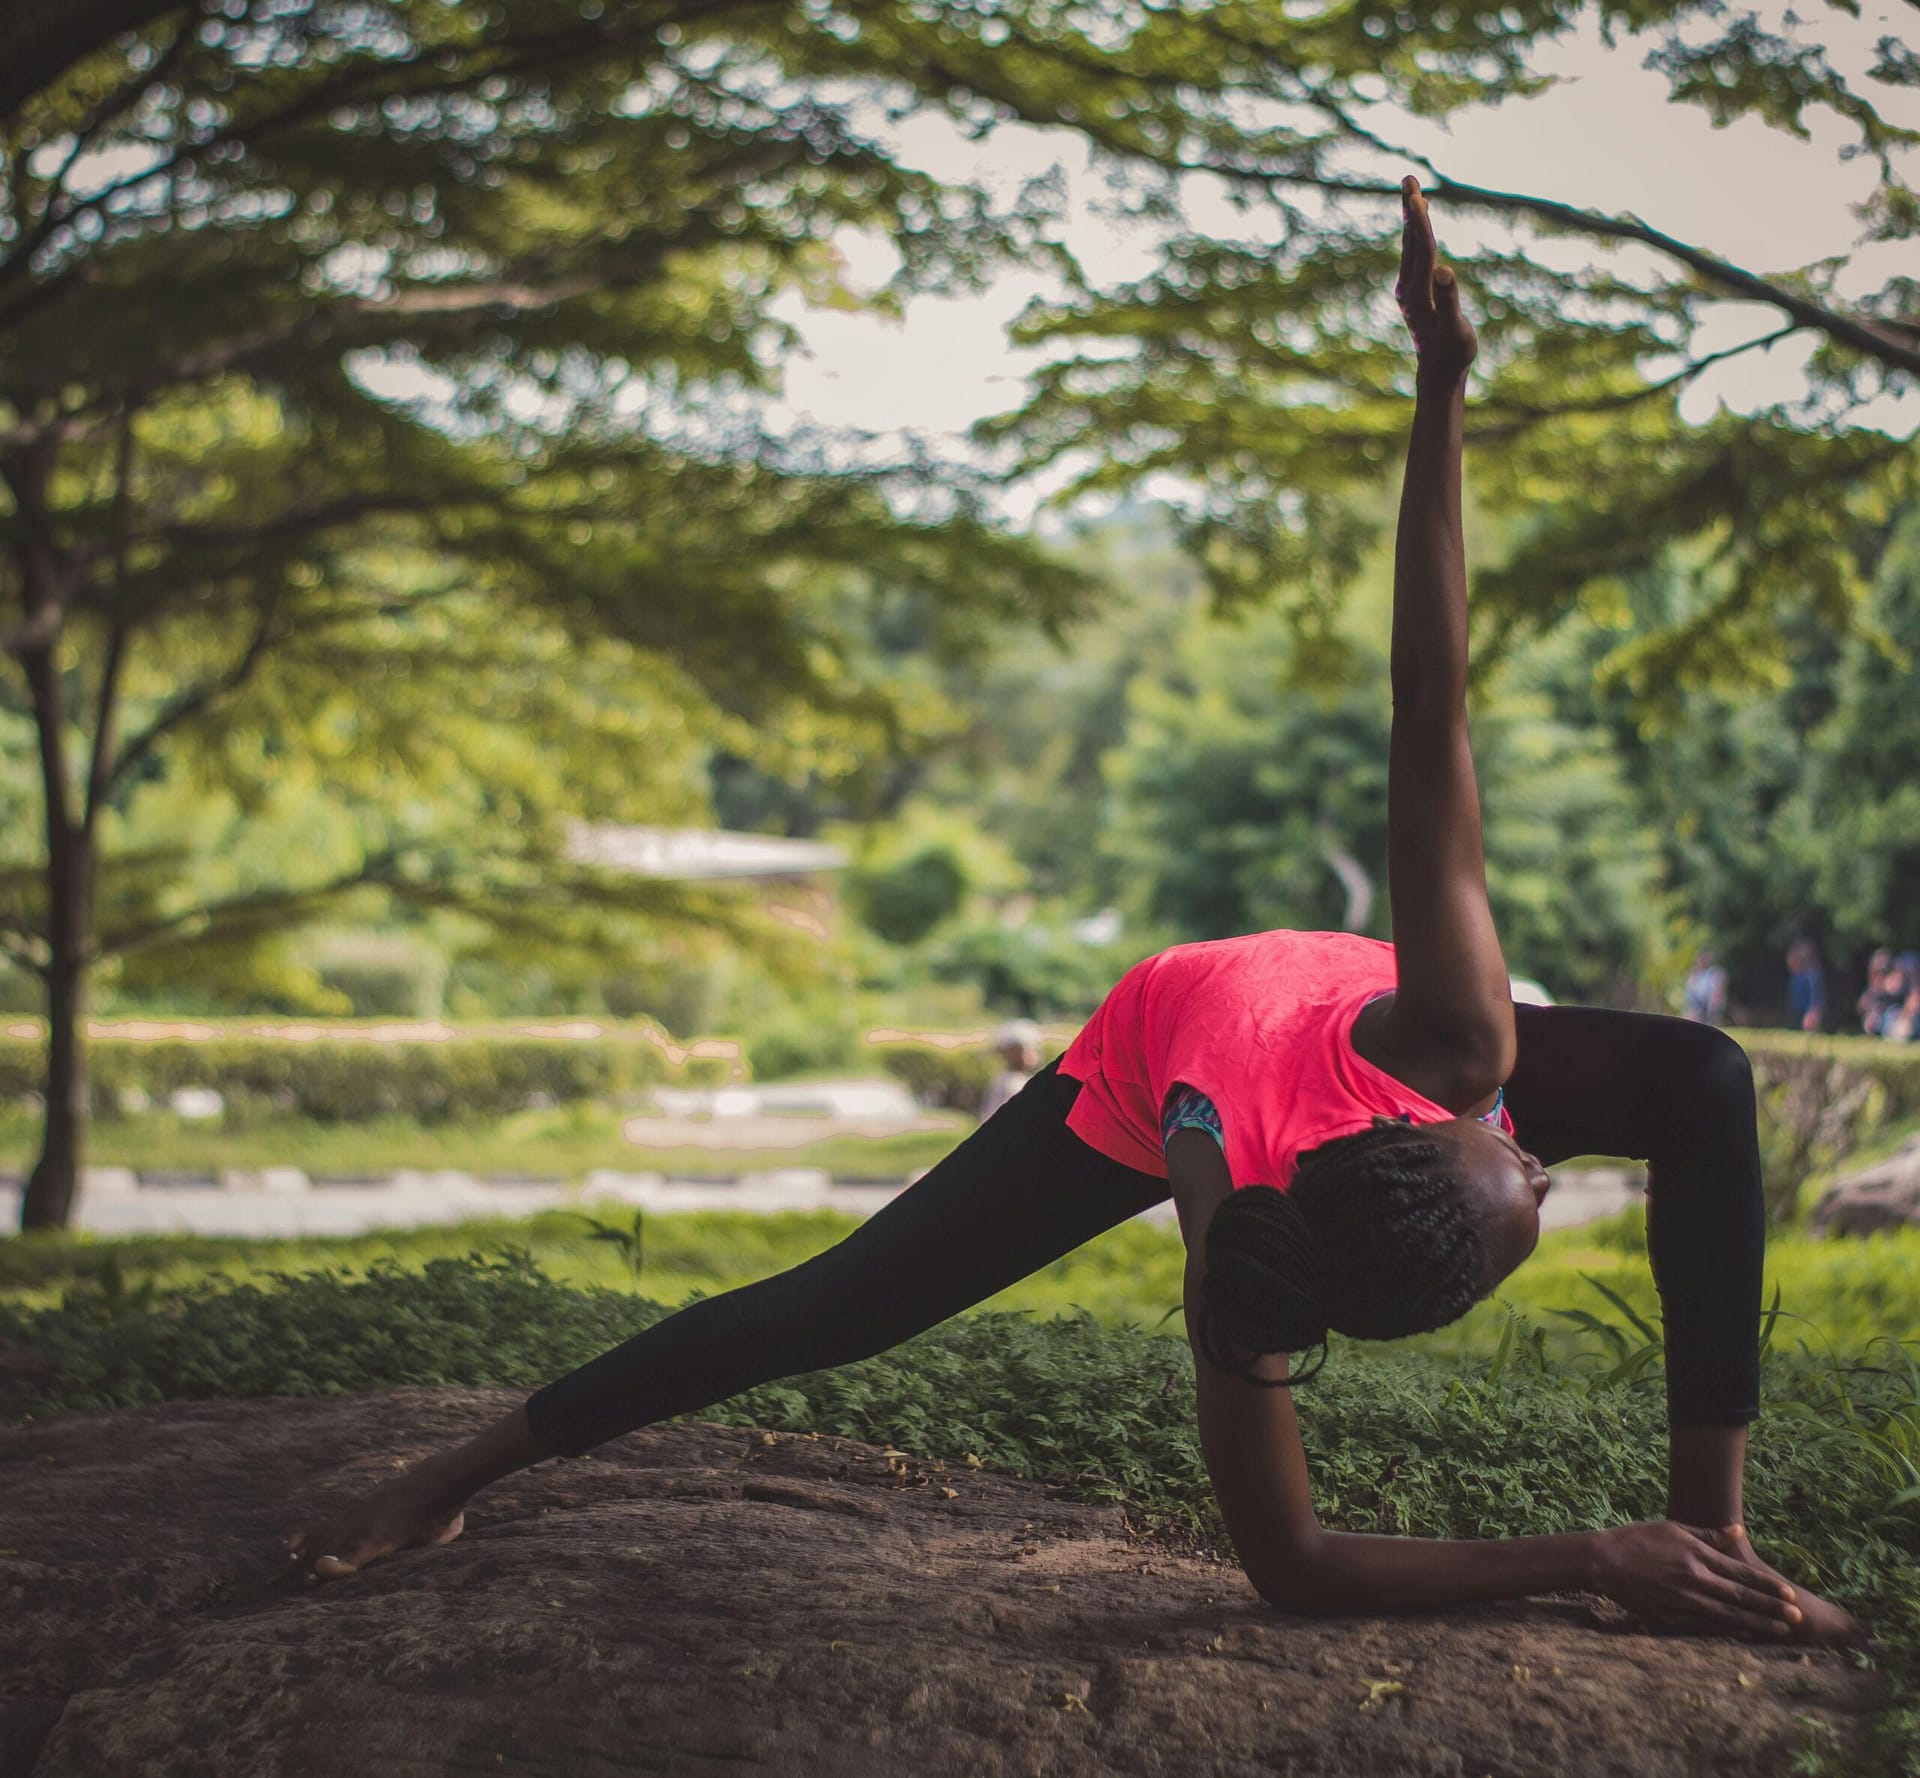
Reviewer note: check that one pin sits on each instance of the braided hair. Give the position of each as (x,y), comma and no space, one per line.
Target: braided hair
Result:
(1374,1240)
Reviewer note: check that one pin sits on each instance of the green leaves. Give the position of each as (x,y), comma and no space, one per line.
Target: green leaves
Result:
(627,1239)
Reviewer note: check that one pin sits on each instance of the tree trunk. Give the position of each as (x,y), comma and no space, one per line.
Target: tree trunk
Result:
(55,1180)
(48,1200)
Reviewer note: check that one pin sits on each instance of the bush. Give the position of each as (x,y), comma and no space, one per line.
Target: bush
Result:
(343,1079)
(383,975)
(1036,970)
(806,1042)
(1821,1098)
(905,900)
(955,1078)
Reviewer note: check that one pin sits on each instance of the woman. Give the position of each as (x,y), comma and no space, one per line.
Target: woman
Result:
(1385,1090)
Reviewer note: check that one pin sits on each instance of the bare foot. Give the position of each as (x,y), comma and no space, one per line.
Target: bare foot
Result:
(1822,1623)
(415,1508)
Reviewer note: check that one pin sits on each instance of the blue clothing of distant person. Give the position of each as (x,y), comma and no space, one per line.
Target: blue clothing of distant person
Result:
(1806,988)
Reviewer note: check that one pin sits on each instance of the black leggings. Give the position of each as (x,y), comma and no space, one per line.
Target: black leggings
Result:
(1023,1190)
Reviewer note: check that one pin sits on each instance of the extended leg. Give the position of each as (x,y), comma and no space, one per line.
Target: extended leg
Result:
(1018,1194)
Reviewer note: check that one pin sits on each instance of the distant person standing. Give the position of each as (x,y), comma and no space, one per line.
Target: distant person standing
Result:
(1901,985)
(1705,993)
(1882,993)
(1018,1042)
(1806,986)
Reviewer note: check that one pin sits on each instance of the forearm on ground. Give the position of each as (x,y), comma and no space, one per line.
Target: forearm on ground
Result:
(1355,1571)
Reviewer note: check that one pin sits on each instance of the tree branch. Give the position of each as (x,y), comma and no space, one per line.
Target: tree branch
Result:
(1865,337)
(189,704)
(357,82)
(40,43)
(1848,331)
(1526,415)
(342,511)
(243,910)
(37,631)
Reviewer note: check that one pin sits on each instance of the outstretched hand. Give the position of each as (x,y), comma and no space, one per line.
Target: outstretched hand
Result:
(1711,1579)
(1429,294)
(1821,1621)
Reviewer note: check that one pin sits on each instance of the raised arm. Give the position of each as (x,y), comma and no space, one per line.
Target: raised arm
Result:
(1448,1029)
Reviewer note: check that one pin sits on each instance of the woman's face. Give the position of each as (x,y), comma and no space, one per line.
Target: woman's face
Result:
(1508,1184)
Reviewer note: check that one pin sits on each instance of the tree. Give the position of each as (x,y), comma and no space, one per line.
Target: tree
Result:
(1857,809)
(1244,799)
(220,233)
(1252,367)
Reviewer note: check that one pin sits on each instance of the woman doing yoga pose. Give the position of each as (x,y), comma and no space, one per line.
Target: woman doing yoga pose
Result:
(1355,1136)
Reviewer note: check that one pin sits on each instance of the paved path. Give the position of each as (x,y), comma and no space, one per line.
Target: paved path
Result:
(281,1202)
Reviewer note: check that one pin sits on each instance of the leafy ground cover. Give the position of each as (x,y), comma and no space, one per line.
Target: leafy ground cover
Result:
(1840,1295)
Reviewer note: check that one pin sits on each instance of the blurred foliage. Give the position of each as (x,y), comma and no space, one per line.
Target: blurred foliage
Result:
(339,1076)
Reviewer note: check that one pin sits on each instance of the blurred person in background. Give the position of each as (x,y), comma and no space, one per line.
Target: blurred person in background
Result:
(1705,994)
(1901,1022)
(1018,1042)
(1806,986)
(1880,995)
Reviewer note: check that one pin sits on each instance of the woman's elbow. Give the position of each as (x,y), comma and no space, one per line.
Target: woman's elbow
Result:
(1296,1581)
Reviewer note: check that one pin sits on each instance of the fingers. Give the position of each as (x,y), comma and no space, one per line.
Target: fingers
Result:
(1734,1607)
(1742,1597)
(1419,222)
(1769,1586)
(1418,249)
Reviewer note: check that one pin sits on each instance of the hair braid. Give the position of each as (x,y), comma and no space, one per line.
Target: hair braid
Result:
(1374,1240)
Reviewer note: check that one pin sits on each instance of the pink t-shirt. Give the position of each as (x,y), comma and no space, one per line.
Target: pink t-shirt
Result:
(1261,1025)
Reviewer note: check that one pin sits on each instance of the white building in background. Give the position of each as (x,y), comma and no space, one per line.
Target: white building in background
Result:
(790,868)
(690,854)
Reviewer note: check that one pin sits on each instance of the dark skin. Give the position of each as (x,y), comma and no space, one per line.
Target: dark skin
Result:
(1448,1032)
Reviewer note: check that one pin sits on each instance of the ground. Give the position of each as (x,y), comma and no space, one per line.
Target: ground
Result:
(702,1599)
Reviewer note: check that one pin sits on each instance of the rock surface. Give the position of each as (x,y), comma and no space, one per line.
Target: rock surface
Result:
(1883,1196)
(701,1599)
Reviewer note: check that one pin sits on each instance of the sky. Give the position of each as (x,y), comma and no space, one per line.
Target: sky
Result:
(1605,136)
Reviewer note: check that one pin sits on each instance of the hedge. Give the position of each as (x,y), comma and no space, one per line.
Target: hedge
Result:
(955,1076)
(339,1076)
(1821,1098)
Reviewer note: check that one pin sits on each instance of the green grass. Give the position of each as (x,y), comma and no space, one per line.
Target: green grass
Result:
(1849,1292)
(567,1143)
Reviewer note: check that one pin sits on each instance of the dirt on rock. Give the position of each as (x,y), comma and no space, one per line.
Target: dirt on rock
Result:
(700,1599)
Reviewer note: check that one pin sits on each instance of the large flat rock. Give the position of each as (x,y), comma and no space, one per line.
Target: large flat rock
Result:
(699,1599)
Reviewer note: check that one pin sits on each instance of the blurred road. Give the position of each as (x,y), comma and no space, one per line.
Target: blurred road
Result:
(279,1202)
